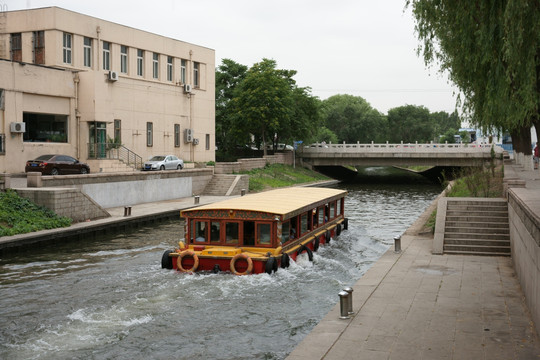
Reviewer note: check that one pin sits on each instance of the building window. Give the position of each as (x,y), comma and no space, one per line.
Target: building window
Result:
(207,144)
(45,127)
(169,68)
(176,135)
(196,74)
(155,66)
(87,52)
(39,47)
(117,131)
(123,59)
(140,62)
(67,48)
(149,135)
(2,144)
(16,47)
(183,71)
(106,55)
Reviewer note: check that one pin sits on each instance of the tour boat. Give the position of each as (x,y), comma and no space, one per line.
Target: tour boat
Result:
(259,232)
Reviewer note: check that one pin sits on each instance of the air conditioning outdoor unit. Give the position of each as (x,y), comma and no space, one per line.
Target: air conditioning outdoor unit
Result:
(195,141)
(187,88)
(188,135)
(18,127)
(113,76)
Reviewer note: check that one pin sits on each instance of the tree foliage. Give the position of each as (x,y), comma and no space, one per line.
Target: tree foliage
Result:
(262,104)
(491,50)
(228,75)
(353,119)
(409,124)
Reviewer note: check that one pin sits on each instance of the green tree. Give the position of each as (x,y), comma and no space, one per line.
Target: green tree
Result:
(491,50)
(442,121)
(353,119)
(449,136)
(409,124)
(228,75)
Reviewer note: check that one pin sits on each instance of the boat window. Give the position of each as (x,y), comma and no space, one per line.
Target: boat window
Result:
(263,234)
(304,224)
(214,232)
(315,218)
(340,206)
(309,220)
(201,232)
(232,233)
(285,232)
(332,209)
(249,233)
(321,215)
(191,231)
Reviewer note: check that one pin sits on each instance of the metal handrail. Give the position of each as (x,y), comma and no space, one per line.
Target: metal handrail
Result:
(116,152)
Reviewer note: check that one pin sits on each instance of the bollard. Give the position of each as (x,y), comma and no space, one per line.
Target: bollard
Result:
(242,192)
(349,290)
(197,199)
(397,244)
(127,210)
(344,305)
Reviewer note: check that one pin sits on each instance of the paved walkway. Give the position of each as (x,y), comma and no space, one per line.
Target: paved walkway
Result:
(415,305)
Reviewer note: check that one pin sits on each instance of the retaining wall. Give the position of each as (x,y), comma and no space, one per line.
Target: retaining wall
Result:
(525,242)
(66,202)
(255,163)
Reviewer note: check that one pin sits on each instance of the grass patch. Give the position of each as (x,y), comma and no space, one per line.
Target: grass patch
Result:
(478,183)
(19,216)
(279,175)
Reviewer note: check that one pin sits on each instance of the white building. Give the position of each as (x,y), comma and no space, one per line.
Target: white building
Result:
(74,84)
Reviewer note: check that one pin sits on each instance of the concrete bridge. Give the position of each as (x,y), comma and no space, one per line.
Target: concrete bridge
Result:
(398,154)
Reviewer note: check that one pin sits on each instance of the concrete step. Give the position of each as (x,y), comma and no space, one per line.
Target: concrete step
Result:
(476,230)
(477,224)
(477,253)
(483,242)
(485,214)
(475,236)
(477,248)
(467,218)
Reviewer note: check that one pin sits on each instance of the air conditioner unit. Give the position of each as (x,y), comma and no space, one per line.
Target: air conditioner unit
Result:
(188,135)
(113,76)
(195,141)
(18,127)
(187,88)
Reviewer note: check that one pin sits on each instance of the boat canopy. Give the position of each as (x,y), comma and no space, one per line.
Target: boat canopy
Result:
(285,202)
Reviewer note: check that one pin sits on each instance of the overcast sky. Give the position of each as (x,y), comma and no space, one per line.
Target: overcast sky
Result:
(364,48)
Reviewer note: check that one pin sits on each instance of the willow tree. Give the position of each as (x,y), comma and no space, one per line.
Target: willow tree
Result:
(491,51)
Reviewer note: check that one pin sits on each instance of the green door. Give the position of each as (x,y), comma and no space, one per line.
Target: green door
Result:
(98,139)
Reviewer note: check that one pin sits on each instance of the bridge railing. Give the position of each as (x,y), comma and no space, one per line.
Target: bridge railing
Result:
(402,147)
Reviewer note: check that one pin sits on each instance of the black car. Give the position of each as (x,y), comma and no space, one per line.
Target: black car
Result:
(56,165)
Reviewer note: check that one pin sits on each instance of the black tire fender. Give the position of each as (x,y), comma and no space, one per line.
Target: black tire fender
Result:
(271,265)
(338,229)
(306,249)
(166,260)
(327,236)
(346,224)
(285,260)
(316,244)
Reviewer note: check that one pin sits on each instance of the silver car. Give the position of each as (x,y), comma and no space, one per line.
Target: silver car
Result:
(162,162)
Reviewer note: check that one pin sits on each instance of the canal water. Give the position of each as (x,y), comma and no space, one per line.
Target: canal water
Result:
(109,298)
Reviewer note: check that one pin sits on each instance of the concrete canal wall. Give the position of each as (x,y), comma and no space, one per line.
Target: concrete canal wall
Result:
(525,242)
(86,197)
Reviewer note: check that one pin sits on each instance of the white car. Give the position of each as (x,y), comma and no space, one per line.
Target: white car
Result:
(162,162)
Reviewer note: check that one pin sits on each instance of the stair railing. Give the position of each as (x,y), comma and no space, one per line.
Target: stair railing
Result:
(115,152)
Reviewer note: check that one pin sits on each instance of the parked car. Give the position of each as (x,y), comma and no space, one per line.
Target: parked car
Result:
(56,165)
(164,162)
